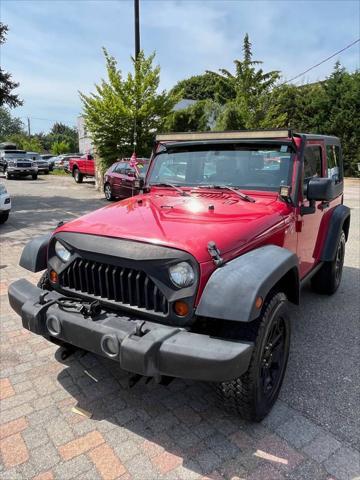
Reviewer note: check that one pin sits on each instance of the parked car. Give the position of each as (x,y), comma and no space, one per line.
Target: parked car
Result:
(5,204)
(192,278)
(43,165)
(120,180)
(62,161)
(50,158)
(15,164)
(81,167)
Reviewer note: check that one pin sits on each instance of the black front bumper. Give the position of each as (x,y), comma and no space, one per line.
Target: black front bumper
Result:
(141,347)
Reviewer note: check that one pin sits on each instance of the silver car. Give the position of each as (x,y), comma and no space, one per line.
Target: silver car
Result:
(43,165)
(15,163)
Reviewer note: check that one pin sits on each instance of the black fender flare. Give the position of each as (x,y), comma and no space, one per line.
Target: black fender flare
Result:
(339,221)
(34,254)
(232,289)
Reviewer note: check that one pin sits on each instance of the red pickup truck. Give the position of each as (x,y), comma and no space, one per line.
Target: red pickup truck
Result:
(81,167)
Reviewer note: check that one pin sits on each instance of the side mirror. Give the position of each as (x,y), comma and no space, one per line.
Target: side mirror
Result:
(321,189)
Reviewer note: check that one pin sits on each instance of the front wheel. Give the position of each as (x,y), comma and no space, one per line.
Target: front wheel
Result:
(8,175)
(108,192)
(254,393)
(3,217)
(328,278)
(78,176)
(34,176)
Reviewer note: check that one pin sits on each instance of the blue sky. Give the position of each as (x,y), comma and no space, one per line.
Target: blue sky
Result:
(54,47)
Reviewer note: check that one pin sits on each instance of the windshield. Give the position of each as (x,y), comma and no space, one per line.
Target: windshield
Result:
(248,167)
(14,154)
(33,156)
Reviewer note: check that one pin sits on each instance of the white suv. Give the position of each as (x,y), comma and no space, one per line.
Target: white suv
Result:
(5,204)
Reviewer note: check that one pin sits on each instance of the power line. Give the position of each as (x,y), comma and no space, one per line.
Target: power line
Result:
(322,61)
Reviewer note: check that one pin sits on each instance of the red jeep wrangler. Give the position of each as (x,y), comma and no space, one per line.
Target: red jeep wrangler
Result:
(191,278)
(81,167)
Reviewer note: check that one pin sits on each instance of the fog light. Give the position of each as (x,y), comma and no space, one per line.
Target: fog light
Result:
(181,308)
(53,325)
(53,276)
(110,345)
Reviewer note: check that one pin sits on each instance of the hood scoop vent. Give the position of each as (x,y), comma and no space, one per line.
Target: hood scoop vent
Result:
(212,195)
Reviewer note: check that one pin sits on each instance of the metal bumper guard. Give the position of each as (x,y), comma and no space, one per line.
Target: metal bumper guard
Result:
(152,350)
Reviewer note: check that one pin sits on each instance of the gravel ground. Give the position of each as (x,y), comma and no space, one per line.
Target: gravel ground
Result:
(174,432)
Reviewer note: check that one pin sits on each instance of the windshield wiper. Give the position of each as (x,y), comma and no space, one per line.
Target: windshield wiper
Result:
(243,196)
(178,189)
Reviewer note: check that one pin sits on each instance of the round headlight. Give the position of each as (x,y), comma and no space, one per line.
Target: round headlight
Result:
(62,252)
(182,274)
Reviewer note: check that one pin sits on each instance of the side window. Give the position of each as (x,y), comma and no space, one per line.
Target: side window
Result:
(334,163)
(120,169)
(312,163)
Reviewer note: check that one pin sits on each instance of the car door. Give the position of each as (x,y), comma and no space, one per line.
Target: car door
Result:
(90,165)
(128,181)
(310,219)
(117,176)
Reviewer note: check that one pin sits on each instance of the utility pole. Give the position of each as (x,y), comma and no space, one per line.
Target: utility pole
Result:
(137,51)
(137,28)
(28,122)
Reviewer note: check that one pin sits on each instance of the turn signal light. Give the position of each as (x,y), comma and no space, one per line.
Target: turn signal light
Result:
(258,302)
(53,276)
(181,308)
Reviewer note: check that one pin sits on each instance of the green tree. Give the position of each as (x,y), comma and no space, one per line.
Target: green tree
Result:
(126,110)
(250,107)
(208,86)
(197,117)
(58,148)
(63,133)
(7,85)
(9,125)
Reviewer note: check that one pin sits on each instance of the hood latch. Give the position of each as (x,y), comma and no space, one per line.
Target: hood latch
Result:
(215,254)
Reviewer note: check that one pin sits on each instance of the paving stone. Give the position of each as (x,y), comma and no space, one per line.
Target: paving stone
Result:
(59,431)
(309,470)
(44,476)
(344,464)
(14,413)
(13,450)
(298,431)
(44,458)
(222,446)
(106,462)
(81,445)
(35,436)
(207,460)
(322,447)
(44,415)
(13,427)
(73,468)
(126,450)
(141,468)
(166,462)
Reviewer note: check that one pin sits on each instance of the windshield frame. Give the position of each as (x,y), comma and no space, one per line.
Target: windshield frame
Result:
(224,145)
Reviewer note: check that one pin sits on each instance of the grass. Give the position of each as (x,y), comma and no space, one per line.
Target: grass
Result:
(58,172)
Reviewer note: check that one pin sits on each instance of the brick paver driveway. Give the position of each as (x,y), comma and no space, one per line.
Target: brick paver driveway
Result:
(175,432)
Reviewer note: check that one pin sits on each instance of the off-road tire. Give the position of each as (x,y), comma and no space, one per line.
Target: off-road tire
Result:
(327,280)
(8,175)
(108,193)
(34,176)
(44,282)
(3,217)
(244,394)
(78,176)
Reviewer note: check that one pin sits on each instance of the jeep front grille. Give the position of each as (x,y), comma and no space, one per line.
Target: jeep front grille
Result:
(120,285)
